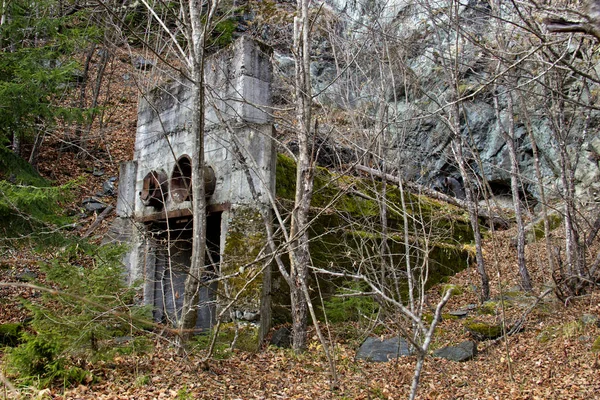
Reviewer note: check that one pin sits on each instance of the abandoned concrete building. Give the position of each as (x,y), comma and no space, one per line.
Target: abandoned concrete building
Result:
(154,213)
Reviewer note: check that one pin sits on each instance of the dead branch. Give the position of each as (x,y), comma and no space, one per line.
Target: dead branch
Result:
(98,221)
(495,219)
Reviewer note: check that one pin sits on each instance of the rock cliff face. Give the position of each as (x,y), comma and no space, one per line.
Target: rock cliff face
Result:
(400,65)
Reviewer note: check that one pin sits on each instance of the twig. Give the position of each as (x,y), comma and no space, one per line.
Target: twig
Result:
(98,220)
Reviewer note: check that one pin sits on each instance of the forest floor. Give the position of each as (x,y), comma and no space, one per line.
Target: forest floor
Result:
(550,358)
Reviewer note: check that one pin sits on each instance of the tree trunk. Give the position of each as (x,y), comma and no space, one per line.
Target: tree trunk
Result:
(299,317)
(514,186)
(484,294)
(196,35)
(538,174)
(298,246)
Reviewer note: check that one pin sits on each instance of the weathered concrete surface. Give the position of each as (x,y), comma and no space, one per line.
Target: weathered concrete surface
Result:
(126,192)
(238,104)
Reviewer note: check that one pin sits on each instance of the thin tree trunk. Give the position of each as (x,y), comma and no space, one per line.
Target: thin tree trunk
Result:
(96,95)
(484,294)
(298,246)
(35,150)
(197,34)
(514,185)
(538,174)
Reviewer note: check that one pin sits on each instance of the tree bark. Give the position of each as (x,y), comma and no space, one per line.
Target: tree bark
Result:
(514,185)
(298,247)
(538,174)
(484,294)
(197,28)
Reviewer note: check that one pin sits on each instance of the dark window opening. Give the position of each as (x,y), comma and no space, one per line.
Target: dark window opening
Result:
(181,180)
(173,259)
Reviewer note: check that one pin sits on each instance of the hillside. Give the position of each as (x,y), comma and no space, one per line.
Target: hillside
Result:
(385,80)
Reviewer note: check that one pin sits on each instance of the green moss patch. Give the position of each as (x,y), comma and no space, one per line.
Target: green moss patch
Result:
(456,290)
(535,231)
(596,345)
(245,239)
(482,330)
(346,228)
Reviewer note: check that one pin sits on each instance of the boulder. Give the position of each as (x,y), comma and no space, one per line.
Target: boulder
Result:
(26,275)
(282,338)
(382,350)
(92,204)
(482,331)
(461,352)
(108,187)
(590,319)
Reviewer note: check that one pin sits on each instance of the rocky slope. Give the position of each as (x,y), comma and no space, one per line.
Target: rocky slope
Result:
(386,75)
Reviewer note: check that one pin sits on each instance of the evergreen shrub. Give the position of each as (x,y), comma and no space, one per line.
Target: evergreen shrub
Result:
(83,318)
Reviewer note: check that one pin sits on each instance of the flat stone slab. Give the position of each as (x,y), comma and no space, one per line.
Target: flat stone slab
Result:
(376,350)
(461,352)
(92,204)
(459,313)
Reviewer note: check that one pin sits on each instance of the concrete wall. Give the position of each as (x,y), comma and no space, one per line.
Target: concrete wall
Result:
(238,100)
(238,93)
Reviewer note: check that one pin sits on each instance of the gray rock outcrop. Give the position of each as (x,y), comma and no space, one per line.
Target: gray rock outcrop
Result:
(415,90)
(461,352)
(382,350)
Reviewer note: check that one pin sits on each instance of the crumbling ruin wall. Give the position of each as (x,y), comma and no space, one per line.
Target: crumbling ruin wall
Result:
(154,207)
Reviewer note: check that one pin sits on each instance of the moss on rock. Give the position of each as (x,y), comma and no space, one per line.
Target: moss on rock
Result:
(535,231)
(596,345)
(482,330)
(346,227)
(245,239)
(456,290)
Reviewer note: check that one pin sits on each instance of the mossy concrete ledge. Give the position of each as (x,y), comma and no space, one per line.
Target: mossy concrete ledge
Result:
(346,227)
(245,270)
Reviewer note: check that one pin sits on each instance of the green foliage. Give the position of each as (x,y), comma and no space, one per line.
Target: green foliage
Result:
(28,203)
(40,361)
(36,64)
(223,32)
(142,380)
(78,321)
(348,306)
(25,210)
(572,329)
(18,171)
(10,333)
(184,394)
(247,339)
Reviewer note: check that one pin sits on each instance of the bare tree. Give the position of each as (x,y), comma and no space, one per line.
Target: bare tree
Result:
(299,252)
(508,133)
